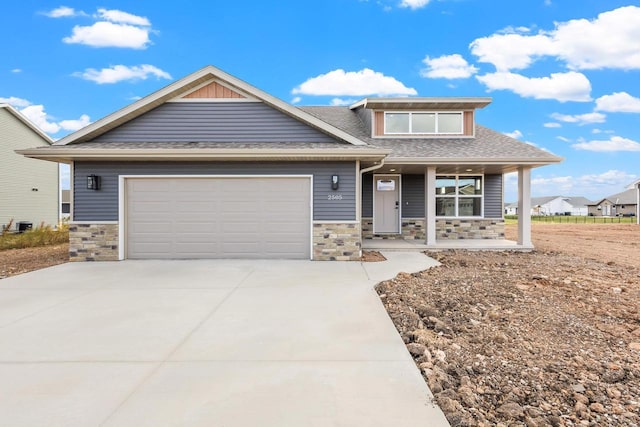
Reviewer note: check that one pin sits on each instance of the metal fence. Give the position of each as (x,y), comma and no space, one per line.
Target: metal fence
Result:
(561,219)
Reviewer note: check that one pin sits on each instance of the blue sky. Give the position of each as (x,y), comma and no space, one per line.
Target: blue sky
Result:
(563,75)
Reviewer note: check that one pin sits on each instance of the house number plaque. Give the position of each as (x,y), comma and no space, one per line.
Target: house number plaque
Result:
(334,197)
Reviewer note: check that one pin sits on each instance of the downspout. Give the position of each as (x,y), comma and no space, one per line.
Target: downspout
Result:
(359,195)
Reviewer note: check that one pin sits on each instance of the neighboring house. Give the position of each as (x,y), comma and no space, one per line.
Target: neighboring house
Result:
(65,203)
(619,204)
(212,167)
(28,188)
(559,205)
(553,205)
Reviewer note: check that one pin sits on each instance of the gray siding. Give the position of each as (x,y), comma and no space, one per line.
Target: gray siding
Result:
(214,122)
(102,205)
(365,116)
(493,196)
(367,196)
(412,196)
(412,187)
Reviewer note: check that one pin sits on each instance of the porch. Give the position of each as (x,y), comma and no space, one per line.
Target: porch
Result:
(465,244)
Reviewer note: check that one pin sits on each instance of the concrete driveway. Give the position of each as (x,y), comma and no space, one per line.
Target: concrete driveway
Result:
(208,343)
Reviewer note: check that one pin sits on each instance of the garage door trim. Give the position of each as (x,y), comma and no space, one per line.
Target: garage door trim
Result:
(122,197)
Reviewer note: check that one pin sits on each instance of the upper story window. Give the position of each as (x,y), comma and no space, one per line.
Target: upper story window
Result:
(422,123)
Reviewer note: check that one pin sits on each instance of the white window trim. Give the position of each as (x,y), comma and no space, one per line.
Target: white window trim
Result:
(456,196)
(410,113)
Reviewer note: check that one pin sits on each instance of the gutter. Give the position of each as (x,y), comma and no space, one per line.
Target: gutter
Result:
(359,192)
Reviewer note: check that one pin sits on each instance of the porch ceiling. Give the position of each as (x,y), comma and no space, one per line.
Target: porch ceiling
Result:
(451,169)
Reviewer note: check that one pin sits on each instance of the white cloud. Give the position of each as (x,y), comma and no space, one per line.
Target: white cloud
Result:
(341,101)
(563,139)
(516,134)
(15,102)
(74,125)
(118,73)
(296,99)
(121,17)
(618,102)
(108,34)
(414,4)
(64,12)
(570,86)
(603,183)
(447,67)
(615,143)
(37,115)
(580,119)
(612,40)
(552,125)
(598,131)
(353,83)
(16,70)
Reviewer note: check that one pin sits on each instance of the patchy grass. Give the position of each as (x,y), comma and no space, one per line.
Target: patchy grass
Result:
(40,236)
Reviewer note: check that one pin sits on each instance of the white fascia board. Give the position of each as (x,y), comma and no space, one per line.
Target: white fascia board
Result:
(174,89)
(460,161)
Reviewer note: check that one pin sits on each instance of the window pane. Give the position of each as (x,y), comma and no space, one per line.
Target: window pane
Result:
(386,185)
(445,185)
(450,123)
(396,122)
(423,123)
(470,185)
(469,206)
(445,206)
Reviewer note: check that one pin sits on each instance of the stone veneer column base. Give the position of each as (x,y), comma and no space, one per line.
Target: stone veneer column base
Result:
(93,242)
(411,229)
(336,242)
(456,229)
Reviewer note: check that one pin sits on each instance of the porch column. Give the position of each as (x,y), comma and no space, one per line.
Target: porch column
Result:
(430,204)
(524,206)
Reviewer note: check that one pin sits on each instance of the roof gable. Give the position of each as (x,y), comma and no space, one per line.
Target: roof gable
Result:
(187,85)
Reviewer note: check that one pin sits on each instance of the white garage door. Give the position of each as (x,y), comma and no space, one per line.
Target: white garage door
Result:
(218,218)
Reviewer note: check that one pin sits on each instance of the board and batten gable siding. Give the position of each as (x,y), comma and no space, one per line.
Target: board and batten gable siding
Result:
(493,196)
(413,196)
(19,176)
(102,205)
(214,122)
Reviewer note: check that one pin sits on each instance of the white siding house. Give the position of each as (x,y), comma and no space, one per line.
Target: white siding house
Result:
(28,188)
(554,205)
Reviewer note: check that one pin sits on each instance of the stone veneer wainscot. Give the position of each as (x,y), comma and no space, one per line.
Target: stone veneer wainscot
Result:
(93,242)
(336,242)
(412,229)
(456,229)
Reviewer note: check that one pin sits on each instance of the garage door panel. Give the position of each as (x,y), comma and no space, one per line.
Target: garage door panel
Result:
(218,218)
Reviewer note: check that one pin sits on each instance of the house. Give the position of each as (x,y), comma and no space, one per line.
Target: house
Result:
(28,188)
(559,205)
(212,167)
(553,205)
(65,203)
(619,204)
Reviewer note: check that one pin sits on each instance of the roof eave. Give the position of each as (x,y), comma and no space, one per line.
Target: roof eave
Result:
(163,154)
(17,114)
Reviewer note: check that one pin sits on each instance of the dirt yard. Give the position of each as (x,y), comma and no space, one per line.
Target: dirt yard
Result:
(17,261)
(549,338)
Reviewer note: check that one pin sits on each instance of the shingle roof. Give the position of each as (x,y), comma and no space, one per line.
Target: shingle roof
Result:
(487,144)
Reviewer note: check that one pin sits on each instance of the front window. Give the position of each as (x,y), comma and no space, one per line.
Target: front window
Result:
(459,196)
(423,123)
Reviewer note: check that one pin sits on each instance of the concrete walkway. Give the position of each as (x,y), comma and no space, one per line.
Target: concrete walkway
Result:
(208,343)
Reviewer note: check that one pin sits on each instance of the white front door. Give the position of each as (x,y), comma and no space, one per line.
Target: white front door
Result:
(386,204)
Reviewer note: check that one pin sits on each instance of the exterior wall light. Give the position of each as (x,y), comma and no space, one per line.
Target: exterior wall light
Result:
(335,182)
(93,182)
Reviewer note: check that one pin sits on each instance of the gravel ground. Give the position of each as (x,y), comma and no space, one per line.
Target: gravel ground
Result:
(17,261)
(545,338)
